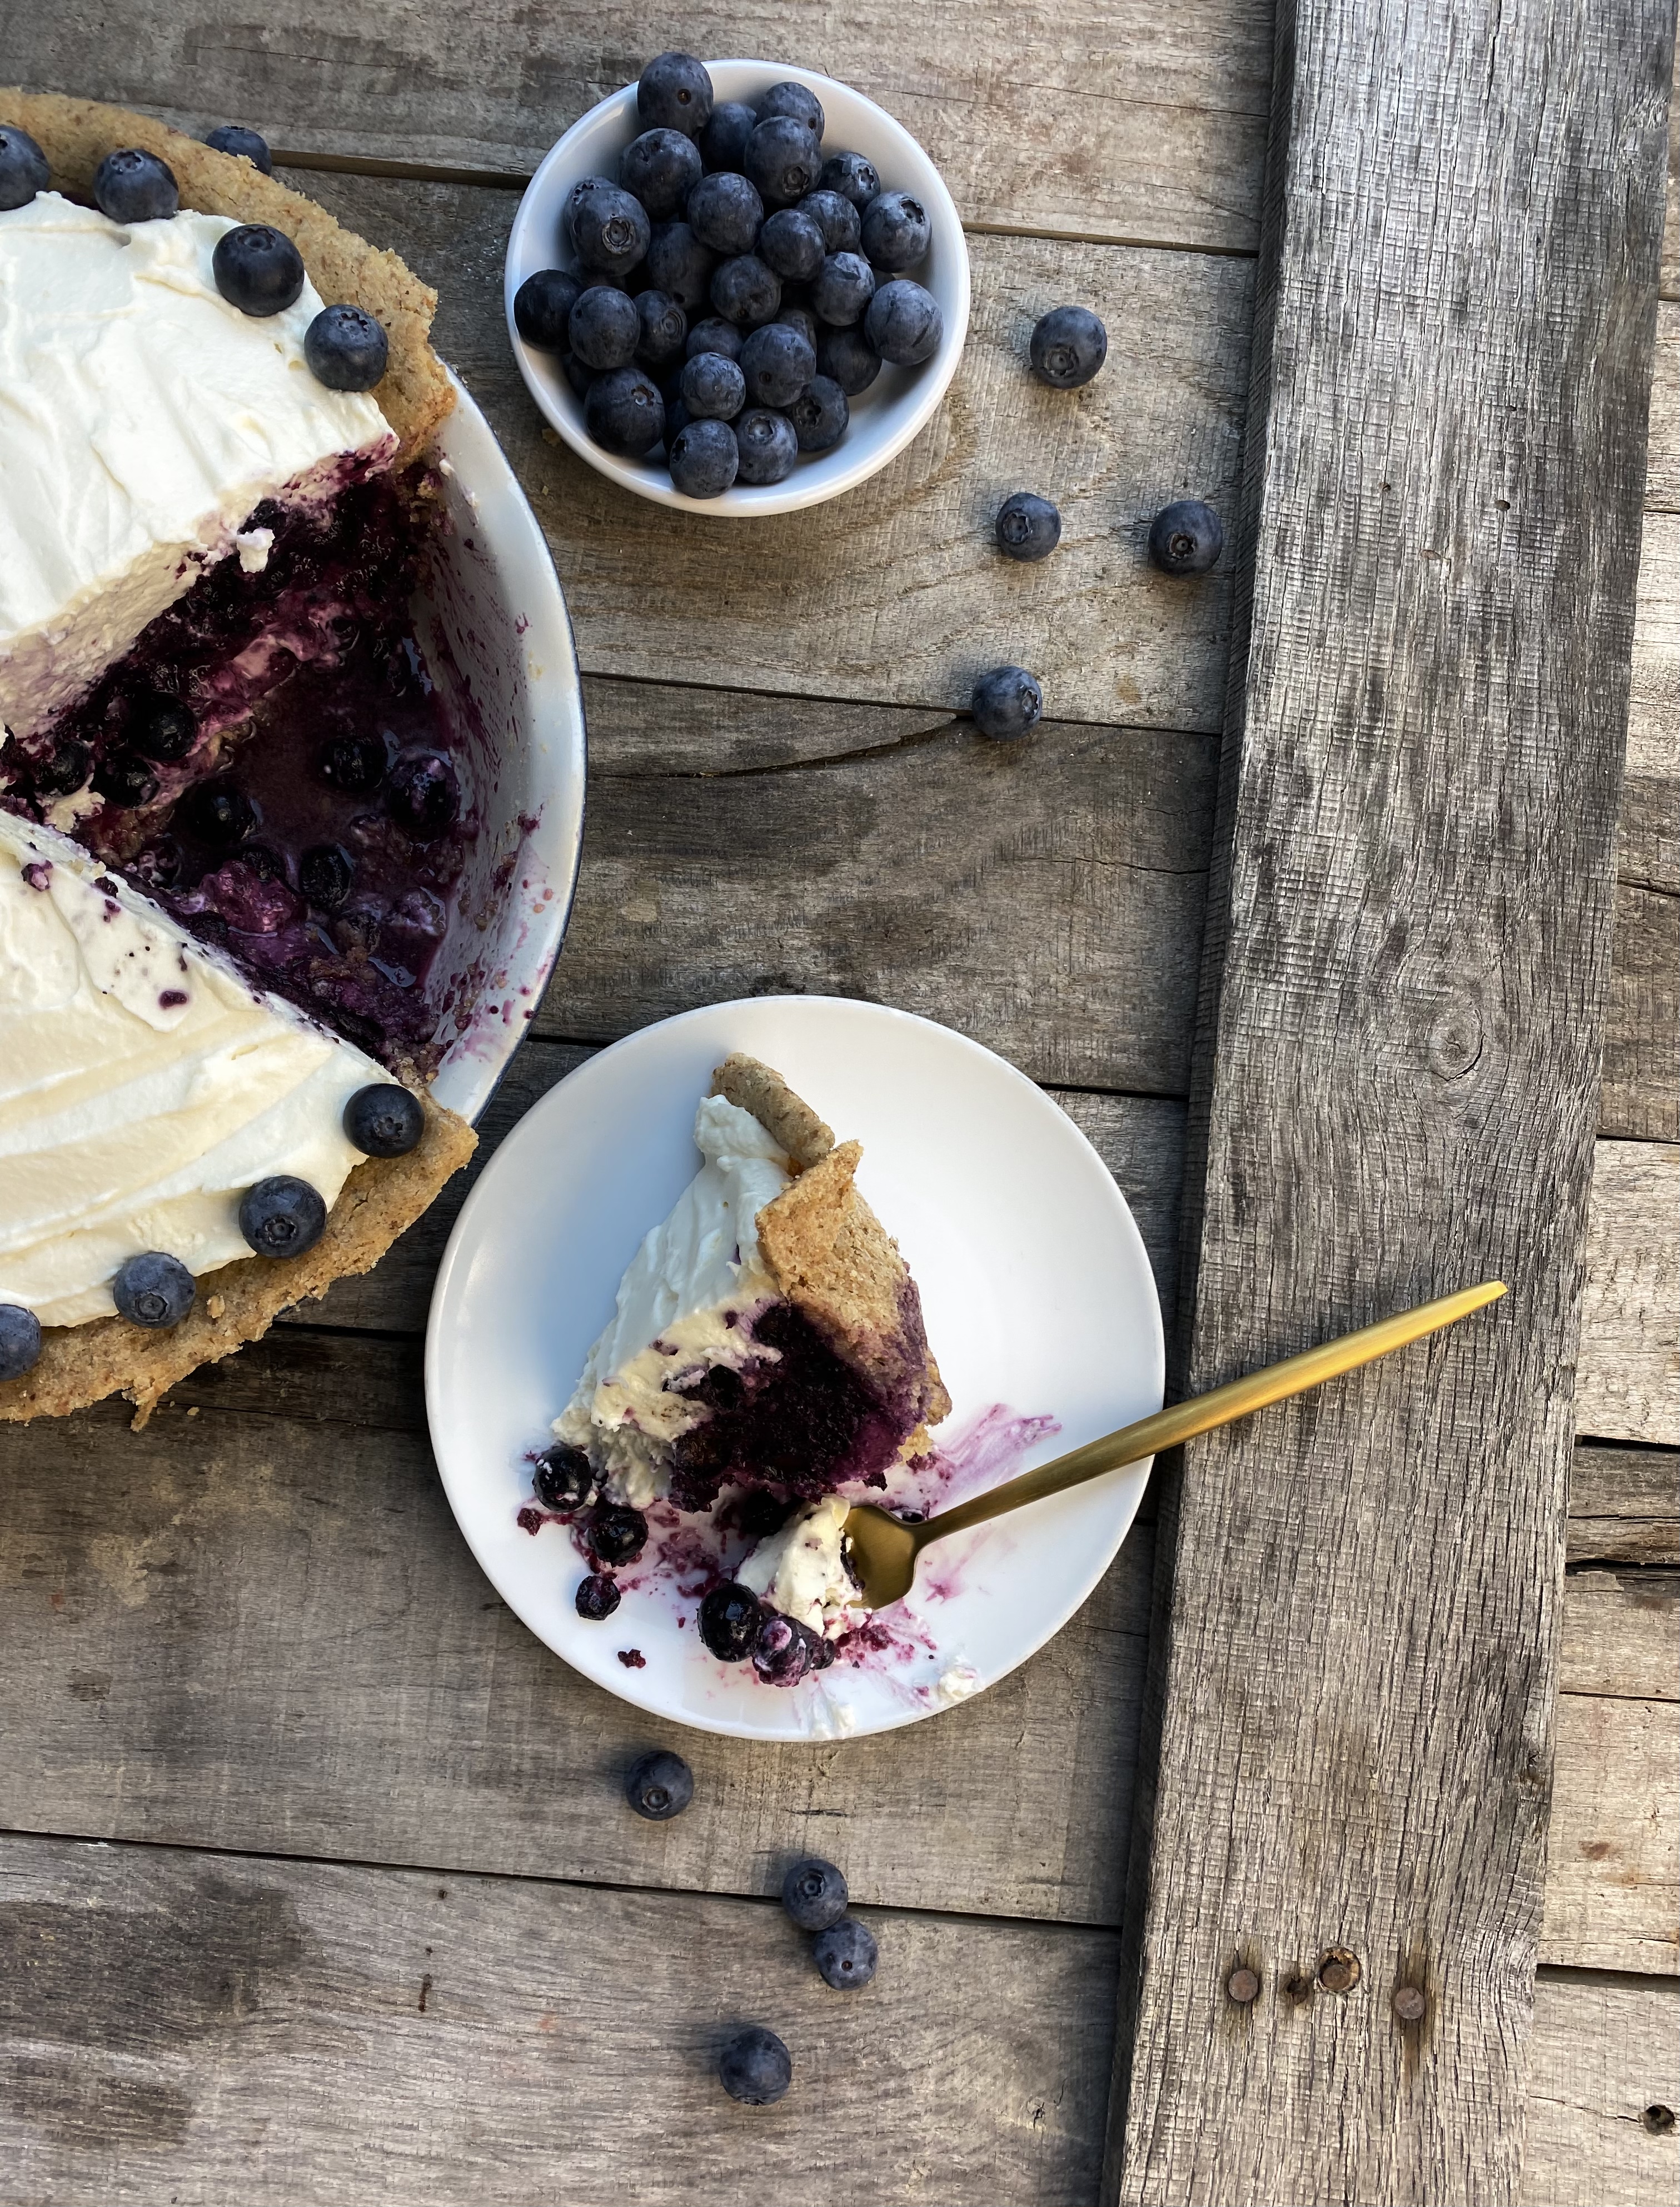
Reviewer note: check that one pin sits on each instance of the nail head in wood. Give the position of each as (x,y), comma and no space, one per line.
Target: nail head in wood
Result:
(1409,2004)
(1339,1971)
(1243,1986)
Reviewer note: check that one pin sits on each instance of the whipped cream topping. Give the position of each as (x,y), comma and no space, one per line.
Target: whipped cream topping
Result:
(801,1570)
(142,419)
(143,1087)
(686,1302)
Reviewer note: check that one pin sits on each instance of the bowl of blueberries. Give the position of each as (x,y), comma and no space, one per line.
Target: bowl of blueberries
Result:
(737,287)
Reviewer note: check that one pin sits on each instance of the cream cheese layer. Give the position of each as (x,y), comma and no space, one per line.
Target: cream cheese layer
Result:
(801,1570)
(143,1087)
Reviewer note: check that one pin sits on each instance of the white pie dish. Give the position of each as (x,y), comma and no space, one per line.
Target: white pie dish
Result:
(895,407)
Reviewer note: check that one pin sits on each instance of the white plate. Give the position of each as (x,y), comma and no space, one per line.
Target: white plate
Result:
(884,418)
(1034,1281)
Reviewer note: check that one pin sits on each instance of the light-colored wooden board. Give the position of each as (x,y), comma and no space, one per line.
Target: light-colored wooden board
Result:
(1650,849)
(1624,1506)
(1604,2085)
(1612,1883)
(1662,463)
(1119,122)
(1640,1094)
(198,2028)
(1622,1634)
(1628,1381)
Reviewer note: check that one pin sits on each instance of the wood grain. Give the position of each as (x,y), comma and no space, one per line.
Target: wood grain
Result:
(1640,1095)
(1628,1384)
(1651,835)
(1605,2070)
(1624,1506)
(1622,1636)
(1408,957)
(1113,121)
(1613,1884)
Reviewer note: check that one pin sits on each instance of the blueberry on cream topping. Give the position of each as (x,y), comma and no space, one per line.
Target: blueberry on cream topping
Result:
(132,185)
(23,167)
(258,270)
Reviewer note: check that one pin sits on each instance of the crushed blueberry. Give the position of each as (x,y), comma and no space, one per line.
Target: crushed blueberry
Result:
(632,1658)
(597,1597)
(730,1618)
(562,1478)
(161,726)
(659,1785)
(614,1532)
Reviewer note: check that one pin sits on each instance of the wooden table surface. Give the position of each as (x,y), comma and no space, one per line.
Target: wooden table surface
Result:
(315,1882)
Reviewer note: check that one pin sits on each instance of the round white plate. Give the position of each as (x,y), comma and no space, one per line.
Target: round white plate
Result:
(1037,1295)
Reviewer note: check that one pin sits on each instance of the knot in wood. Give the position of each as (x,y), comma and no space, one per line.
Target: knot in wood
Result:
(1243,1986)
(1339,1970)
(1454,1038)
(1658,2119)
(1409,2004)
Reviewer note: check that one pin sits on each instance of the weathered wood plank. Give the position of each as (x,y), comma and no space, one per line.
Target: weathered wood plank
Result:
(1640,1095)
(1627,1379)
(1650,850)
(1605,2084)
(200,2029)
(1662,466)
(1622,1634)
(1117,121)
(1624,1506)
(1613,1884)
(1408,957)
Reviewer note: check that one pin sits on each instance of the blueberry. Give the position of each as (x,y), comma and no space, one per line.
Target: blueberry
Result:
(282,1216)
(325,875)
(1068,346)
(783,159)
(726,213)
(1187,537)
(597,1597)
(615,1534)
(584,188)
(729,1620)
(844,287)
(133,186)
(759,1513)
(661,167)
(723,142)
(904,323)
(384,1121)
(792,243)
(756,2067)
(160,865)
(258,269)
(714,335)
(713,388)
(422,796)
(20,1332)
(346,349)
(778,362)
(851,176)
(679,265)
(576,374)
(659,1785)
(541,305)
(353,765)
(153,1289)
(125,779)
(610,230)
(795,100)
(896,231)
(704,459)
(23,172)
(801,319)
(161,726)
(845,357)
(218,814)
(234,138)
(745,291)
(768,446)
(664,328)
(562,1478)
(267,865)
(836,217)
(781,1655)
(845,1954)
(1028,527)
(675,92)
(623,412)
(605,327)
(1007,702)
(819,415)
(813,1892)
(677,419)
(64,770)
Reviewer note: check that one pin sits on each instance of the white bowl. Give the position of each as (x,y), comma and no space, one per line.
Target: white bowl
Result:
(884,418)
(494,627)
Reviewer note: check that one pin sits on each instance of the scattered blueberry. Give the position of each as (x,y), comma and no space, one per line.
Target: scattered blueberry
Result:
(675,92)
(615,1533)
(346,349)
(661,167)
(385,1120)
(325,875)
(813,1892)
(1007,702)
(851,176)
(679,265)
(282,1216)
(597,1597)
(792,243)
(768,446)
(257,269)
(836,217)
(218,814)
(729,1619)
(714,335)
(781,1655)
(1187,537)
(1028,527)
(20,1329)
(745,291)
(542,307)
(845,357)
(896,231)
(723,142)
(782,157)
(664,328)
(778,362)
(605,327)
(64,770)
(234,138)
(23,172)
(844,287)
(725,212)
(610,230)
(133,186)
(704,459)
(904,323)
(713,388)
(562,1478)
(1068,346)
(819,415)
(623,412)
(153,1289)
(353,765)
(659,1785)
(845,1954)
(756,2067)
(161,726)
(422,795)
(125,779)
